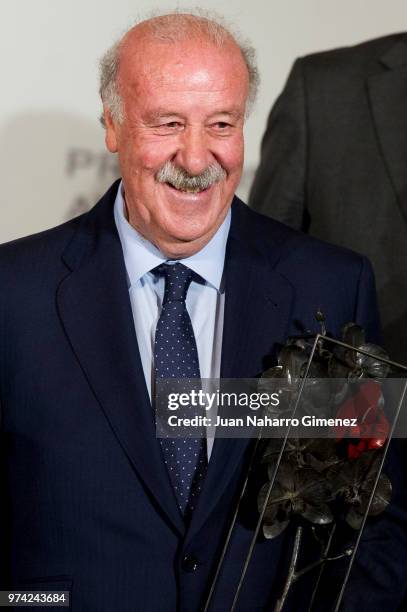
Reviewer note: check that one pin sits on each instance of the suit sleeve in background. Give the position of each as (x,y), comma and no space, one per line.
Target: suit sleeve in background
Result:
(367,310)
(278,189)
(377,579)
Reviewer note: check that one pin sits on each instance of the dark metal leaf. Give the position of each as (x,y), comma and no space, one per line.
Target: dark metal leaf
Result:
(292,448)
(273,525)
(319,515)
(271,450)
(381,498)
(337,368)
(312,487)
(271,380)
(303,343)
(353,334)
(285,475)
(373,365)
(322,454)
(354,473)
(274,529)
(277,495)
(354,518)
(323,448)
(274,372)
(316,396)
(297,505)
(340,477)
(293,359)
(365,468)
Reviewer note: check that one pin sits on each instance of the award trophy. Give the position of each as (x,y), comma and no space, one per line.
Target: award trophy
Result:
(321,473)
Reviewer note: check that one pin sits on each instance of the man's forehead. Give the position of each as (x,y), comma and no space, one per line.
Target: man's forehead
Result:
(187,79)
(192,58)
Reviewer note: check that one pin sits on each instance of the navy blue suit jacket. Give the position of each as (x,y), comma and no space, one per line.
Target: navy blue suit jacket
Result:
(86,501)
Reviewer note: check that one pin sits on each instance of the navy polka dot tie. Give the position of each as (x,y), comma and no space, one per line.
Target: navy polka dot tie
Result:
(176,356)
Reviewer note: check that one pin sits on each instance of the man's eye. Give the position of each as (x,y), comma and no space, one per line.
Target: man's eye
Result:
(172,124)
(221,125)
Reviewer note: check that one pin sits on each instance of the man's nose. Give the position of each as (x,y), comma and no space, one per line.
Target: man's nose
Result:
(194,154)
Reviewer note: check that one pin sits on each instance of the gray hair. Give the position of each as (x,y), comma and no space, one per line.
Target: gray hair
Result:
(184,181)
(174,27)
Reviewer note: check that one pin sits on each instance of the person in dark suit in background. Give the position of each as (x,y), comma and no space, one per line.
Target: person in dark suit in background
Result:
(168,275)
(334,163)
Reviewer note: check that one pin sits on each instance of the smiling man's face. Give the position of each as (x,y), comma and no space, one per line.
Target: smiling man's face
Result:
(184,106)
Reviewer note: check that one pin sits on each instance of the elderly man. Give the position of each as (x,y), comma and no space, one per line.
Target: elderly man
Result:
(92,502)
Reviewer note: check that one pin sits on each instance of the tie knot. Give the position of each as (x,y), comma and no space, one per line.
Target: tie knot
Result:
(177,280)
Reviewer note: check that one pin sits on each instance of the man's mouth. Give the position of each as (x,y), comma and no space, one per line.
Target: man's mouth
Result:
(185,189)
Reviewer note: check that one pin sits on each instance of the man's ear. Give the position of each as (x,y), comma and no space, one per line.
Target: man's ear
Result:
(111,131)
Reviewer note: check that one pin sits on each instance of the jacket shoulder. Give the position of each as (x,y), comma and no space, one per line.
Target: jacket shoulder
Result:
(299,248)
(40,249)
(51,242)
(350,59)
(335,280)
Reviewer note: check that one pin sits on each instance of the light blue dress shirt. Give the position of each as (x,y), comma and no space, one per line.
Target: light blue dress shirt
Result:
(204,302)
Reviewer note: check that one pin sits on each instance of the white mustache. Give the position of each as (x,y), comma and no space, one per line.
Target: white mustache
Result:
(182,180)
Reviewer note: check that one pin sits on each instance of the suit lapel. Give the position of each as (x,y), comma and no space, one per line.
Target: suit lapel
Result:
(388,98)
(95,311)
(258,304)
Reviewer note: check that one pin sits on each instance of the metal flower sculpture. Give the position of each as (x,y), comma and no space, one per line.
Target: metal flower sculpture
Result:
(313,477)
(300,491)
(318,482)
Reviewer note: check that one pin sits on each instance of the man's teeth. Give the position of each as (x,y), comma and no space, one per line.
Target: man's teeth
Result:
(187,189)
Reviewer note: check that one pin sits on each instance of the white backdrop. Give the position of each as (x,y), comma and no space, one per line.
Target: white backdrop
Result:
(52,159)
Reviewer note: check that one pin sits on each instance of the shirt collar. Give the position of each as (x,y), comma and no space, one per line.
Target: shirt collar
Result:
(141,256)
